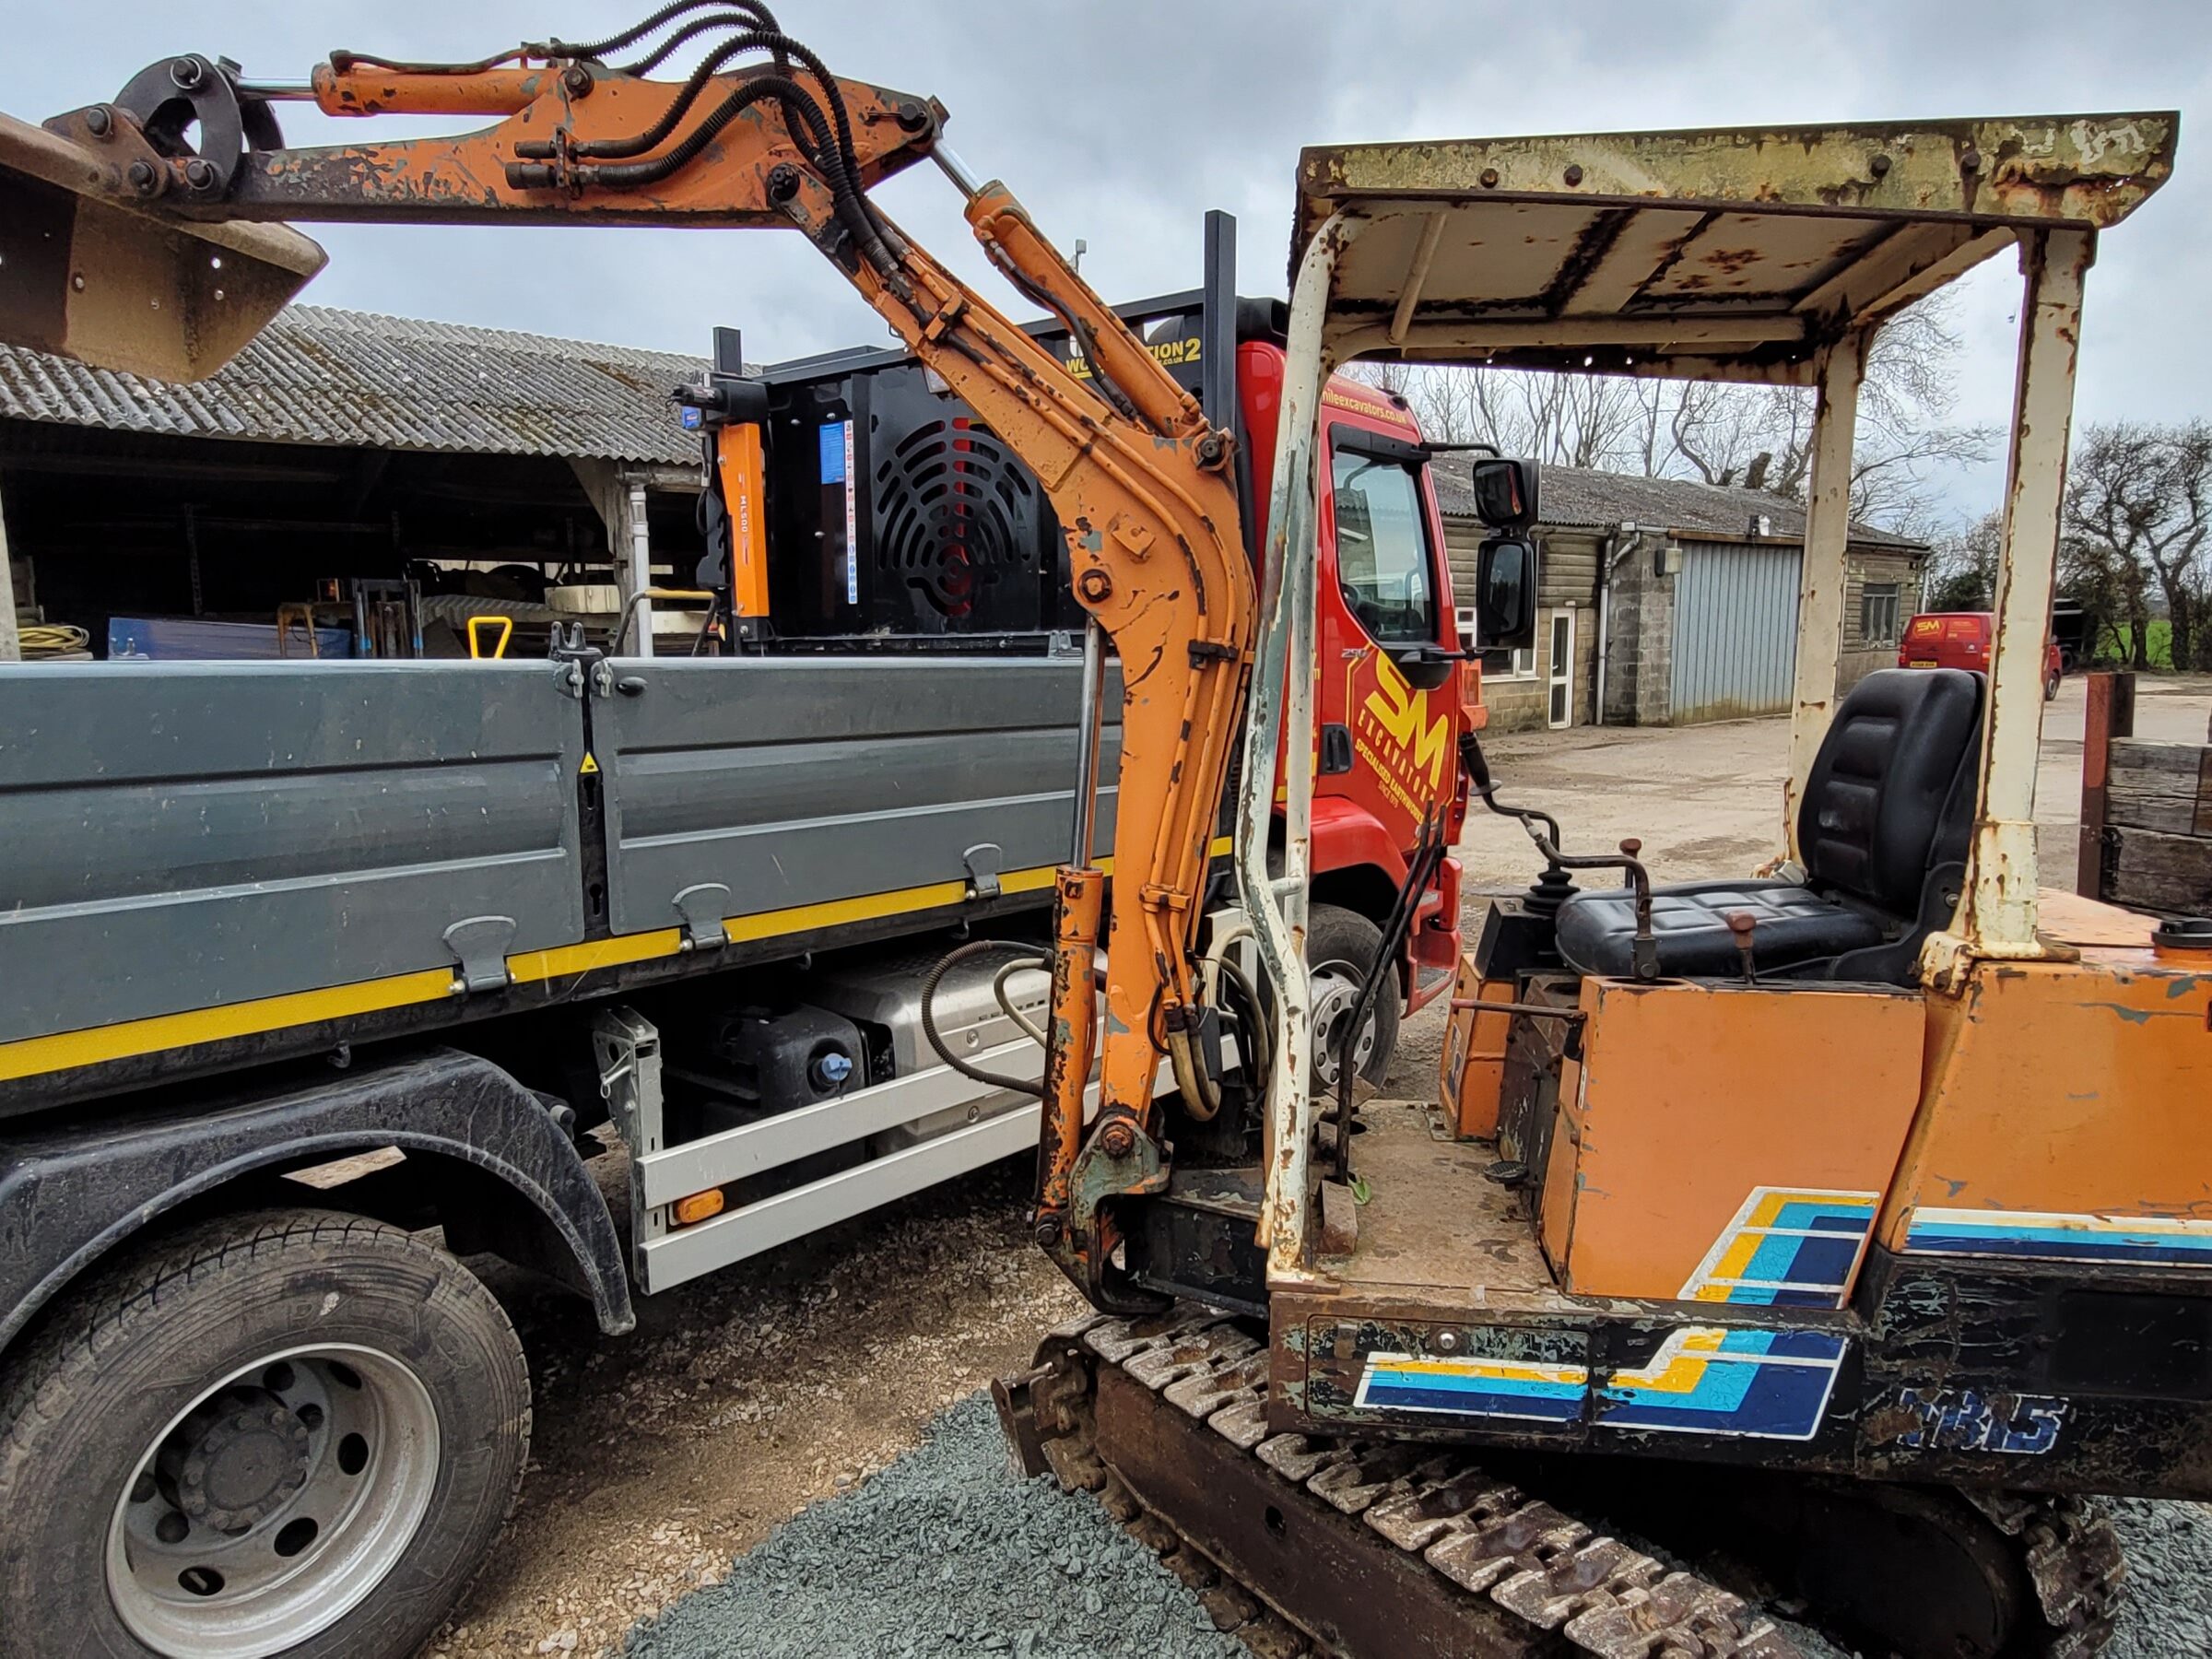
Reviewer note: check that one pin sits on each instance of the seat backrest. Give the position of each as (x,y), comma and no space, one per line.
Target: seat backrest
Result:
(1886,800)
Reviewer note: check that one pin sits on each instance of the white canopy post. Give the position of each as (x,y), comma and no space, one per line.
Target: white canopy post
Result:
(1840,370)
(1280,719)
(1999,918)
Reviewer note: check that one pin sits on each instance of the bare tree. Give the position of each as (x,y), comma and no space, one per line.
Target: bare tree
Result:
(1962,566)
(2137,516)
(1756,436)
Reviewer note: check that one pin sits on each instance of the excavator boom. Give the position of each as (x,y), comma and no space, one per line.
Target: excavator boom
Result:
(145,234)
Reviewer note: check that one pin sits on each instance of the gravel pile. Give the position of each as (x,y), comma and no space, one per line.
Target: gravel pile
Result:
(2169,1609)
(944,1553)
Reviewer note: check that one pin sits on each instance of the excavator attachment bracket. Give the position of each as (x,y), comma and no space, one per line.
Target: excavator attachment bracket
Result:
(84,274)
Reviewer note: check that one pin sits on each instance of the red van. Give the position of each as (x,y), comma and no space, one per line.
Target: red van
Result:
(1962,640)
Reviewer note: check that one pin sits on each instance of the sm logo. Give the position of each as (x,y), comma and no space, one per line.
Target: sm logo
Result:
(1399,714)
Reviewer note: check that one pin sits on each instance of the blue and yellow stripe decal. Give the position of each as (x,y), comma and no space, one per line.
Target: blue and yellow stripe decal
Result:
(1740,1384)
(2048,1236)
(1787,1248)
(1516,1391)
(1704,1380)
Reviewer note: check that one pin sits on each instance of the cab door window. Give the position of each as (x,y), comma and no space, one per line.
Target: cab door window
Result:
(1383,562)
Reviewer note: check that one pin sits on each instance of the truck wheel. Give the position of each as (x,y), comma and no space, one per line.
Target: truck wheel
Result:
(1340,945)
(289,1432)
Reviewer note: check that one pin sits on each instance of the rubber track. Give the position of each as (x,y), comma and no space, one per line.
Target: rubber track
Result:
(1562,1579)
(1556,1575)
(2072,1555)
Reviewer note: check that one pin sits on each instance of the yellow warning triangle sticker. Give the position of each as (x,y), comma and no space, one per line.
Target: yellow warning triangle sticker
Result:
(590,766)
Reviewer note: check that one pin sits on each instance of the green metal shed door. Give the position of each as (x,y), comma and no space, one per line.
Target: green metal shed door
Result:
(1735,631)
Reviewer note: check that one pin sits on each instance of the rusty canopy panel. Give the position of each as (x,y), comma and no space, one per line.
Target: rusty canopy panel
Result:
(1732,254)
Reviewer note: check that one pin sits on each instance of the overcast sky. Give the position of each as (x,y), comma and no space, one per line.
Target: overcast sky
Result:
(1121,122)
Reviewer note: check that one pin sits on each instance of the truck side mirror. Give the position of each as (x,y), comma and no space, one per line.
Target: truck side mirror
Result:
(1505,492)
(1505,593)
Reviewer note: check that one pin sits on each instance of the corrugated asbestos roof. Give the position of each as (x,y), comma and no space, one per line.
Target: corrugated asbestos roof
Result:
(1584,498)
(353,379)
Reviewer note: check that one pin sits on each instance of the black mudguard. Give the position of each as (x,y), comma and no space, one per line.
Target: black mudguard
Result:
(512,1177)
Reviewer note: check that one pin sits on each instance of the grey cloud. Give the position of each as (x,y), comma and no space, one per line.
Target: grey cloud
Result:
(1122,122)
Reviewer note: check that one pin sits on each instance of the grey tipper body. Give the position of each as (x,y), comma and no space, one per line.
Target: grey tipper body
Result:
(194,836)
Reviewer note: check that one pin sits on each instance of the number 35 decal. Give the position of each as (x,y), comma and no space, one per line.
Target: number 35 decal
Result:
(1959,1419)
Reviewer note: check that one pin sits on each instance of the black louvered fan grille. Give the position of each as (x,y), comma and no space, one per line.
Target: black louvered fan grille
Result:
(949,500)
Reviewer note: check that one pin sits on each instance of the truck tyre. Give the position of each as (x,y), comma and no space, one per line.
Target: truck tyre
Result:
(1340,945)
(289,1432)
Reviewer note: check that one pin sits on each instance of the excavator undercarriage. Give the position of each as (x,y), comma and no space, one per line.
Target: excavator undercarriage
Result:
(1301,1543)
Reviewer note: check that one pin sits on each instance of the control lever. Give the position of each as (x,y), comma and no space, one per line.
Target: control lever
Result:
(1742,923)
(1644,956)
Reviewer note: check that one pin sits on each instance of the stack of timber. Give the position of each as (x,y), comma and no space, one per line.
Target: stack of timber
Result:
(2157,845)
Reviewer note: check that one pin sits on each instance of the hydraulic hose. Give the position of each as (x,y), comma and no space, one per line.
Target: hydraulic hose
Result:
(743,17)
(1429,852)
(930,980)
(1259,1033)
(598,50)
(1005,1001)
(1201,1095)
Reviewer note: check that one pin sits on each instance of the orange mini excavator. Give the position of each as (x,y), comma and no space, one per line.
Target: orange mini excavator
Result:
(1866,1184)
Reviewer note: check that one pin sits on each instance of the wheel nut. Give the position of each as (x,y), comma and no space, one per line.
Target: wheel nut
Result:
(1118,1139)
(1095,586)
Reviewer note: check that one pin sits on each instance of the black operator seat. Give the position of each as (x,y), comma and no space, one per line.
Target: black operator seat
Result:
(1883,830)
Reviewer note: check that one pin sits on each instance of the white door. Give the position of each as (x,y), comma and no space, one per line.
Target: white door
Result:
(1559,704)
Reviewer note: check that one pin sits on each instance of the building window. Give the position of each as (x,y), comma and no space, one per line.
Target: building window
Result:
(1495,664)
(1877,613)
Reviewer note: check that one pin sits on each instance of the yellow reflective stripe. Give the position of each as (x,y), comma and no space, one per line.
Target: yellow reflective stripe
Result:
(563,960)
(768,924)
(89,1047)
(31,1056)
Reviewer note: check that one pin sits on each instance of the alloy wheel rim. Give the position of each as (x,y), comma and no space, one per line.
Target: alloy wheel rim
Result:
(273,1504)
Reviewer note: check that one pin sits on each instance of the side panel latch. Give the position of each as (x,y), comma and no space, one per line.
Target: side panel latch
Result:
(985,862)
(702,909)
(479,945)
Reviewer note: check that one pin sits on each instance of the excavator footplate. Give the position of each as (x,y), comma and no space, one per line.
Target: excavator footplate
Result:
(1303,1545)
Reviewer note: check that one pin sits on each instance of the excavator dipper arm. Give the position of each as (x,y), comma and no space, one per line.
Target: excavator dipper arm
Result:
(1139,480)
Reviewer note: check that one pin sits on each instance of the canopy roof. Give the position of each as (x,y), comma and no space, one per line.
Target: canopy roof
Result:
(1727,254)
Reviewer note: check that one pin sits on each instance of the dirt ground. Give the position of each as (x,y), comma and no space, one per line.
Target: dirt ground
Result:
(746,1396)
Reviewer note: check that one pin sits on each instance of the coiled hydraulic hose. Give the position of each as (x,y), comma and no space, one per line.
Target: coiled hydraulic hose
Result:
(930,980)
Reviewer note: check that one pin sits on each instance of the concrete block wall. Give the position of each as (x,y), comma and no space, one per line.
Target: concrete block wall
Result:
(1640,673)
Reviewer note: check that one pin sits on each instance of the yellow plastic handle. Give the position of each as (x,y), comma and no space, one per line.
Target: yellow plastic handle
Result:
(476,641)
